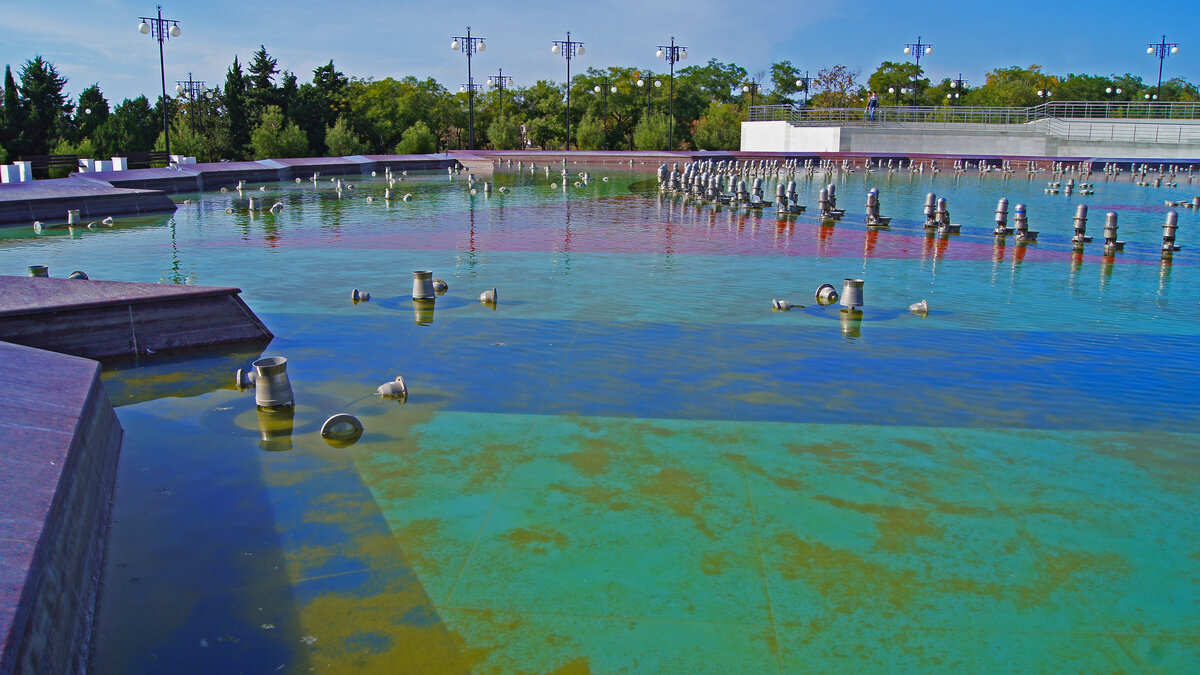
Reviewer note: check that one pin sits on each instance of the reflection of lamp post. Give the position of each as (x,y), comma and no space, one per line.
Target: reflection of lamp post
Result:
(916,49)
(1162,50)
(500,82)
(469,45)
(569,49)
(959,86)
(671,53)
(604,89)
(752,89)
(645,82)
(158,29)
(802,83)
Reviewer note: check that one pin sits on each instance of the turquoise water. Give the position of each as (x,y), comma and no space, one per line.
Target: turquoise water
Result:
(631,463)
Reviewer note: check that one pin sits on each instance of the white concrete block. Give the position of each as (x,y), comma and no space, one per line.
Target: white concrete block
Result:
(86,164)
(9,174)
(120,164)
(25,170)
(104,165)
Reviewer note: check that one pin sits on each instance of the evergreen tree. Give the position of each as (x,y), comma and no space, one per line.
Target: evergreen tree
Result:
(275,137)
(260,85)
(342,141)
(14,115)
(236,112)
(91,111)
(46,108)
(417,140)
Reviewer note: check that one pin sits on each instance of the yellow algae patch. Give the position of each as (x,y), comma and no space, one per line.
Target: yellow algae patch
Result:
(679,491)
(845,579)
(591,461)
(385,633)
(897,525)
(594,494)
(538,541)
(579,666)
(714,563)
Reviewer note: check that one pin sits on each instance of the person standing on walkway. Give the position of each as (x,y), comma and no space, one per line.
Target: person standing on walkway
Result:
(872,106)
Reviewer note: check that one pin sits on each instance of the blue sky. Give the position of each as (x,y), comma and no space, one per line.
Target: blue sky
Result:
(97,41)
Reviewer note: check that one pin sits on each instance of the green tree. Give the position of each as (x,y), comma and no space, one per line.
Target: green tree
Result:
(131,127)
(721,81)
(320,103)
(3,155)
(651,133)
(1012,86)
(275,137)
(783,83)
(720,128)
(342,141)
(505,133)
(892,76)
(546,132)
(14,115)
(589,133)
(91,111)
(260,85)
(46,108)
(382,111)
(186,140)
(417,140)
(238,121)
(838,85)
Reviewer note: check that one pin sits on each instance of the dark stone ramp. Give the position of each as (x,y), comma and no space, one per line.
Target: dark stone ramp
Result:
(116,320)
(49,200)
(58,466)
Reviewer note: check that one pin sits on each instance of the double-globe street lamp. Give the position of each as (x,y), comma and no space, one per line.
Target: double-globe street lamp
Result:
(959,86)
(752,89)
(468,45)
(897,92)
(159,29)
(193,90)
(1162,50)
(802,83)
(645,81)
(671,53)
(604,89)
(569,49)
(500,82)
(917,49)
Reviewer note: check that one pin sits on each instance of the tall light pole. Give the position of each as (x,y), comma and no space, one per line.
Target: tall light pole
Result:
(158,29)
(803,82)
(671,53)
(569,49)
(469,45)
(604,89)
(917,49)
(500,82)
(1162,50)
(646,82)
(192,89)
(752,89)
(959,86)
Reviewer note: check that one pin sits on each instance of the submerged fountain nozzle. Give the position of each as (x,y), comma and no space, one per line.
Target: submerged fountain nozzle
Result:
(852,293)
(826,295)
(422,285)
(271,385)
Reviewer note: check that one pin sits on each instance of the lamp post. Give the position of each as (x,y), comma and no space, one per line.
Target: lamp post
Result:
(645,82)
(897,92)
(752,89)
(959,86)
(917,49)
(158,29)
(569,49)
(1162,50)
(671,53)
(1044,94)
(500,82)
(191,89)
(604,89)
(802,83)
(468,45)
(1113,93)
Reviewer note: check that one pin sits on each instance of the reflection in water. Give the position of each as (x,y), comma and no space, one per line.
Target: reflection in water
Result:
(275,428)
(851,322)
(1164,281)
(423,311)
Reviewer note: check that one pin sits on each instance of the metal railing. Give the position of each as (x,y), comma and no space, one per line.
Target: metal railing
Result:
(924,115)
(1120,132)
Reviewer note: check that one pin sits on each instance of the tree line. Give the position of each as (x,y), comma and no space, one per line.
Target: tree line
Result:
(260,111)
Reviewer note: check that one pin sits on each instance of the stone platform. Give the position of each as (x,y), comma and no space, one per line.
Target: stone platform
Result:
(49,200)
(57,475)
(117,320)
